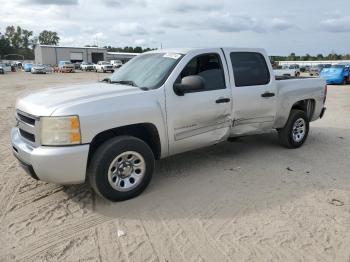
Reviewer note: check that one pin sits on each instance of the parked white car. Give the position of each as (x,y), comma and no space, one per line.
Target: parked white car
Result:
(66,66)
(116,63)
(41,69)
(159,104)
(288,70)
(86,66)
(5,68)
(103,66)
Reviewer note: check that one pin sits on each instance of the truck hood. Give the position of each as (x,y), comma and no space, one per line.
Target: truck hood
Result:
(45,102)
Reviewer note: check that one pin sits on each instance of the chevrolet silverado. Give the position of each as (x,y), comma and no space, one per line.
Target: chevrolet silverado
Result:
(159,104)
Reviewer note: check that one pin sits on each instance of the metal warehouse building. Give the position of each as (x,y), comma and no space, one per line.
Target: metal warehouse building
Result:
(51,55)
(124,57)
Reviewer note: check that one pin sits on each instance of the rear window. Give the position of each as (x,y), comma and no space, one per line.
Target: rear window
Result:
(249,69)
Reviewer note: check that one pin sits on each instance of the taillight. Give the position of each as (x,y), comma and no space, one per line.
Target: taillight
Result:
(325,94)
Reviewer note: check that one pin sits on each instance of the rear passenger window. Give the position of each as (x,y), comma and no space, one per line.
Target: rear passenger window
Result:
(249,69)
(209,67)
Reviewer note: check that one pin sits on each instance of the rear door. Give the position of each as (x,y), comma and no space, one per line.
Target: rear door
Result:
(253,91)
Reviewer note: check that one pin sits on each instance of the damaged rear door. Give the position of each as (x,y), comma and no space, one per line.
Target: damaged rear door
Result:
(202,117)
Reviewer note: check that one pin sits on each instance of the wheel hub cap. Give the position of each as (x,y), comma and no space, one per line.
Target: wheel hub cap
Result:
(126,171)
(299,129)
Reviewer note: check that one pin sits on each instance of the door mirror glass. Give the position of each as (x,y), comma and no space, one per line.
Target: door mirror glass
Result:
(189,84)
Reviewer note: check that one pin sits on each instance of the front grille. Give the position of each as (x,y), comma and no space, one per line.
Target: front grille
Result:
(27,135)
(26,119)
(27,125)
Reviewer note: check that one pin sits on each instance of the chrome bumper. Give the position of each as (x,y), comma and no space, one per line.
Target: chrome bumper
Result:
(61,165)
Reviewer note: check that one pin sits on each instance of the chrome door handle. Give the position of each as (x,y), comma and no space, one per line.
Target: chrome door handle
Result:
(223,100)
(267,94)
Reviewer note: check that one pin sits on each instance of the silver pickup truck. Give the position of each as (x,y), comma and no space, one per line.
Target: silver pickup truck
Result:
(160,103)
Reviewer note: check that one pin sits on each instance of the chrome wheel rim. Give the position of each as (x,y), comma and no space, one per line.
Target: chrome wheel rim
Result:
(299,129)
(126,171)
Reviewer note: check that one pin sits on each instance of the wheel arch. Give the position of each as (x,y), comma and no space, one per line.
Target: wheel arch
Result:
(144,131)
(306,105)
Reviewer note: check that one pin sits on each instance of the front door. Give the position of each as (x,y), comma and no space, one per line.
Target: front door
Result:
(199,118)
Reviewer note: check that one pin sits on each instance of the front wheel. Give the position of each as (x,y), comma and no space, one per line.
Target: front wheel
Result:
(121,168)
(296,130)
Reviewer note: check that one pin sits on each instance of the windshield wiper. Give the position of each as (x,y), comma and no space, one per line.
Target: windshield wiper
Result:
(124,82)
(130,83)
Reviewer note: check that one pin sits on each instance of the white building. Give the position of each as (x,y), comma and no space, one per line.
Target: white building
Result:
(51,55)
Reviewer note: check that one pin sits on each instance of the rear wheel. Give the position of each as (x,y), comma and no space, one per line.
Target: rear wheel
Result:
(121,168)
(296,130)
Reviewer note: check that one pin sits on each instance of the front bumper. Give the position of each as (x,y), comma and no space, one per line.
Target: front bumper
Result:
(322,112)
(38,71)
(61,165)
(334,81)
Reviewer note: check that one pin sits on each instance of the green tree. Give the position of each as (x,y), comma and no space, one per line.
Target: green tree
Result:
(5,45)
(319,57)
(48,38)
(14,36)
(26,38)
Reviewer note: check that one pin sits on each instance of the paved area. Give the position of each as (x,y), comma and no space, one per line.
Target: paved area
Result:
(248,200)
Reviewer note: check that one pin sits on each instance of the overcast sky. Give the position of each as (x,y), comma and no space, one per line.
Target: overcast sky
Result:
(279,26)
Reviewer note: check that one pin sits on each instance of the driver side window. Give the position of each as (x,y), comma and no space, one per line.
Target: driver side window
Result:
(209,67)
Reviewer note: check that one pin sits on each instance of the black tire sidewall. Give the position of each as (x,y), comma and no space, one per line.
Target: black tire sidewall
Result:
(105,154)
(295,115)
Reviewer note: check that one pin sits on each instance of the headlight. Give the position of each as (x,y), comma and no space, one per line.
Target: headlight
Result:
(59,131)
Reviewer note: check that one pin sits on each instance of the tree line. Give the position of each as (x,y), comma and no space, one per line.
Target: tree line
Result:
(308,57)
(126,49)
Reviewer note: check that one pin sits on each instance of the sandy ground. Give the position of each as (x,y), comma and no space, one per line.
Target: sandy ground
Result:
(249,200)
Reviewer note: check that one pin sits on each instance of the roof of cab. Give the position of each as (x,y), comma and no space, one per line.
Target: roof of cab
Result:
(188,50)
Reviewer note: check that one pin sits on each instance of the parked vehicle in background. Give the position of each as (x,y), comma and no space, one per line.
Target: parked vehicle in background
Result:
(316,70)
(77,66)
(336,74)
(305,69)
(27,67)
(85,66)
(103,66)
(41,69)
(66,66)
(5,68)
(288,70)
(116,63)
(159,104)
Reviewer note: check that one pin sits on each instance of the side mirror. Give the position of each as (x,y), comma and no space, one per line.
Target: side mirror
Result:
(189,84)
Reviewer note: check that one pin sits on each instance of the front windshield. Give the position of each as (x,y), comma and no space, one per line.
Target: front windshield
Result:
(148,70)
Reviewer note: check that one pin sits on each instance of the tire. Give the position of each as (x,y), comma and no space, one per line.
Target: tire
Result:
(105,172)
(344,82)
(296,130)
